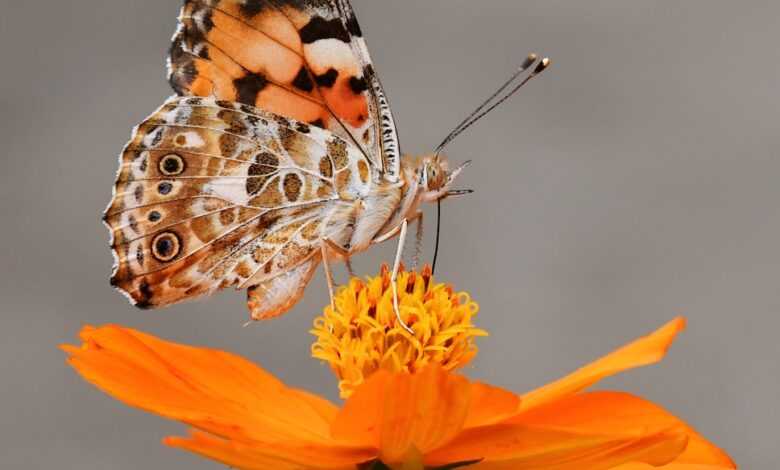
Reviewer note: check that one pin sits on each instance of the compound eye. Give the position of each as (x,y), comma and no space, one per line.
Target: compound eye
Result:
(433,179)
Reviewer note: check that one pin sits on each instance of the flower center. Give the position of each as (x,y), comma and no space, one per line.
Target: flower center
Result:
(361,335)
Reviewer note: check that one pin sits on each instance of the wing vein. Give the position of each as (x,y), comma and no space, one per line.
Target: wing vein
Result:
(276,253)
(303,58)
(224,234)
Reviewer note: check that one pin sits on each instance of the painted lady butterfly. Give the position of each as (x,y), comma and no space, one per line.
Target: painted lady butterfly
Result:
(279,152)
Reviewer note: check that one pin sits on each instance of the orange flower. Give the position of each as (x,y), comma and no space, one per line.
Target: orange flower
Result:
(430,418)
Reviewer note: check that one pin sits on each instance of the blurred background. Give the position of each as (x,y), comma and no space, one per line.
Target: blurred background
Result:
(634,181)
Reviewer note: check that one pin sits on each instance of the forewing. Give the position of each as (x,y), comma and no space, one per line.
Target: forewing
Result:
(213,194)
(303,59)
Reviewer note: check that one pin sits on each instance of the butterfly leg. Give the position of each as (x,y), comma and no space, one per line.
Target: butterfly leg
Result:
(397,264)
(393,232)
(330,245)
(328,273)
(418,217)
(351,271)
(394,276)
(342,252)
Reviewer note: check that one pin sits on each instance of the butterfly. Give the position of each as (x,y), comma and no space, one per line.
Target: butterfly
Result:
(278,152)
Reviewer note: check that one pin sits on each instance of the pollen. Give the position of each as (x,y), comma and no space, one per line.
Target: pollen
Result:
(362,335)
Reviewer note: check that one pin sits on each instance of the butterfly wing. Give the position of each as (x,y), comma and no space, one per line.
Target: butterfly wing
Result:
(302,59)
(214,194)
(275,296)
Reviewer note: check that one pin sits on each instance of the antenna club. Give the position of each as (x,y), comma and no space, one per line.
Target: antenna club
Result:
(529,61)
(542,66)
(495,98)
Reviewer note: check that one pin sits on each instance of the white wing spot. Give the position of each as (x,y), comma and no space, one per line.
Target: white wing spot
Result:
(189,139)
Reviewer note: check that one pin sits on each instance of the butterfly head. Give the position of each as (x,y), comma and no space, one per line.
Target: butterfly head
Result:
(434,177)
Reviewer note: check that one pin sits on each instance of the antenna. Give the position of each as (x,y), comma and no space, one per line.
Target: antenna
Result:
(481,110)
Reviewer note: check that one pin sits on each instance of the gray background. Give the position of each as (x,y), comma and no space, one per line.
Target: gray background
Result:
(636,180)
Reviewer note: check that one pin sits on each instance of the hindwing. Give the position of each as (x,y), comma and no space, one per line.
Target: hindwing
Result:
(213,194)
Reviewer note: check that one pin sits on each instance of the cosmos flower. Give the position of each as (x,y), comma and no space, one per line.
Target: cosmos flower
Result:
(407,407)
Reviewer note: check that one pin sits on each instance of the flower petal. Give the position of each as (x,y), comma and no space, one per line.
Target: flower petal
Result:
(602,412)
(490,405)
(402,413)
(520,447)
(642,352)
(600,429)
(212,390)
(588,430)
(700,454)
(677,466)
(278,457)
(674,466)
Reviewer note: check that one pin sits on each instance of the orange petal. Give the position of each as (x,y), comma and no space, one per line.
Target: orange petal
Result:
(404,414)
(212,390)
(700,453)
(674,466)
(321,406)
(589,430)
(642,352)
(490,405)
(357,422)
(518,447)
(671,466)
(602,412)
(277,457)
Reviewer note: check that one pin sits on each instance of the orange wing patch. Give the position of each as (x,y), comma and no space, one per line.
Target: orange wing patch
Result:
(302,59)
(273,56)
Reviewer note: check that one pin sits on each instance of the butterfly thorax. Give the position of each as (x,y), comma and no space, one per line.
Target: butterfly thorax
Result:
(387,204)
(411,190)
(423,179)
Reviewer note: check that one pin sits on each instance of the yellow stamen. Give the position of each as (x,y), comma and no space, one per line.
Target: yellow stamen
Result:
(362,335)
